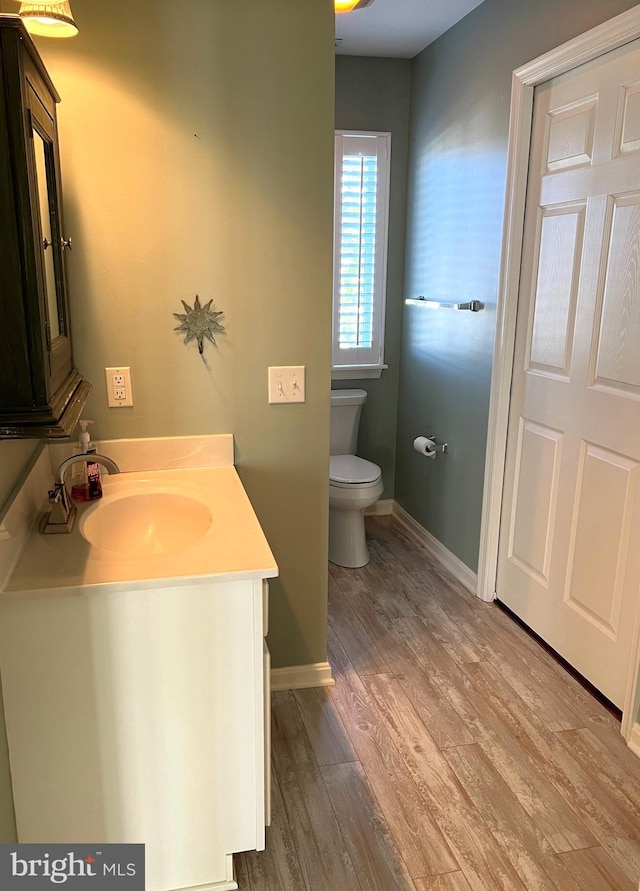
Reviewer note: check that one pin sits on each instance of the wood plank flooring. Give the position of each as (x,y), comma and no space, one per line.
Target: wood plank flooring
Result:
(453,754)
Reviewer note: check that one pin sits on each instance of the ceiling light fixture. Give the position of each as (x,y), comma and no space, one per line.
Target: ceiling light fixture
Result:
(350,5)
(49,19)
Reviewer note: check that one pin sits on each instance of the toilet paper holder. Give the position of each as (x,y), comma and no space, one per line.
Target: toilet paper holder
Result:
(438,446)
(427,446)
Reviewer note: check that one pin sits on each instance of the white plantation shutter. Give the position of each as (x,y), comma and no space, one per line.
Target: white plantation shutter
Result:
(360,248)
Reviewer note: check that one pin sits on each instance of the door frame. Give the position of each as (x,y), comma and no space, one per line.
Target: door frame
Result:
(594,43)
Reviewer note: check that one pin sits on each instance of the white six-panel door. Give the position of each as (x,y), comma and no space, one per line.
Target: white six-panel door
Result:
(569,552)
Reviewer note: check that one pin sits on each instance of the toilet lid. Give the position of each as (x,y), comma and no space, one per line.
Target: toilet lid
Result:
(351,469)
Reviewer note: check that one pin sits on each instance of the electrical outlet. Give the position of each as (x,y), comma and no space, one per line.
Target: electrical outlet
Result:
(286,384)
(119,392)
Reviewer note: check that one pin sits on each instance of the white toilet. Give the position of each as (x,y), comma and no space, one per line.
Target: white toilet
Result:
(354,484)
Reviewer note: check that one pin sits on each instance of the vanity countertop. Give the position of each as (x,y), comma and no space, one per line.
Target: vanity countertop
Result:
(232,547)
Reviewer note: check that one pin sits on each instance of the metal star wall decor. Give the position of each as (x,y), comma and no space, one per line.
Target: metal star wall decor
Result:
(198,322)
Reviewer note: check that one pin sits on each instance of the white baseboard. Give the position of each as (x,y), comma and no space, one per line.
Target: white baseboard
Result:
(380,508)
(634,740)
(456,567)
(296,677)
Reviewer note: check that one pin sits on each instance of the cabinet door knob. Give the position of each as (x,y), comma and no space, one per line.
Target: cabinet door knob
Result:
(45,244)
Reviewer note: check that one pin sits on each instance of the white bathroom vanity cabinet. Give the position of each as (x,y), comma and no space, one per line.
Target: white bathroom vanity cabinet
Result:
(137,708)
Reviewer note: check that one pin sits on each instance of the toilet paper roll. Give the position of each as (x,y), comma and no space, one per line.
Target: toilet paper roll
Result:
(424,446)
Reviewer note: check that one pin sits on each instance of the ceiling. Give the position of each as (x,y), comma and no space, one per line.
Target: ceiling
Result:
(397,28)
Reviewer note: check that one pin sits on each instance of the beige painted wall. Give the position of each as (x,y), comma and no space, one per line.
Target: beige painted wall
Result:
(196,144)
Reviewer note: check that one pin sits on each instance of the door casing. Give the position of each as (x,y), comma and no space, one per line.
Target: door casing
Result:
(594,43)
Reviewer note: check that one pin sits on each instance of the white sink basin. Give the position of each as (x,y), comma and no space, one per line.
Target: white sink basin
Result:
(150,521)
(179,525)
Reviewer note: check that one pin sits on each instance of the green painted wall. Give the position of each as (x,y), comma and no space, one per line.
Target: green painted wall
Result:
(197,158)
(373,94)
(461,89)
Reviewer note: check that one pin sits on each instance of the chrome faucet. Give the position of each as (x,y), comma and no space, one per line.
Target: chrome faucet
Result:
(89,458)
(63,511)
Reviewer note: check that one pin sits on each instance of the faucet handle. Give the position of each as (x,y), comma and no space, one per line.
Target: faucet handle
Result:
(63,512)
(59,496)
(55,494)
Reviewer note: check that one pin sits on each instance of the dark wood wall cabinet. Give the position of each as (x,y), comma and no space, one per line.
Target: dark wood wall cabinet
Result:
(41,392)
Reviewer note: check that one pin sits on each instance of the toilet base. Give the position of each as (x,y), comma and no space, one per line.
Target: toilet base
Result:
(347,538)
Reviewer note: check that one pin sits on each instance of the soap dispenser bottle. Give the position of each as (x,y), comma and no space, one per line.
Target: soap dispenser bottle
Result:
(85,475)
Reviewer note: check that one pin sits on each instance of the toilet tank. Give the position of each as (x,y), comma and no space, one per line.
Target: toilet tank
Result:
(346,407)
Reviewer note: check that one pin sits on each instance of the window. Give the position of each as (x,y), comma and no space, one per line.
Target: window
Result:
(360,252)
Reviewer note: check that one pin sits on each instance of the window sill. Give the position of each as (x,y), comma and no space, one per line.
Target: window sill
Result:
(356,372)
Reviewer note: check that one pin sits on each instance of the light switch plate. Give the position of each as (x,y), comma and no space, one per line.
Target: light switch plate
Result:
(286,384)
(119,392)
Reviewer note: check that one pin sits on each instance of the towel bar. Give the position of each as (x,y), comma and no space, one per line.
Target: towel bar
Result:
(472,306)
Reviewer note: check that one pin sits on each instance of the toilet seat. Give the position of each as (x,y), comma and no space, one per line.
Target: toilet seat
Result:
(347,471)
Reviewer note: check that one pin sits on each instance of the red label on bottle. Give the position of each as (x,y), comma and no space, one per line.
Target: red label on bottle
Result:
(95,483)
